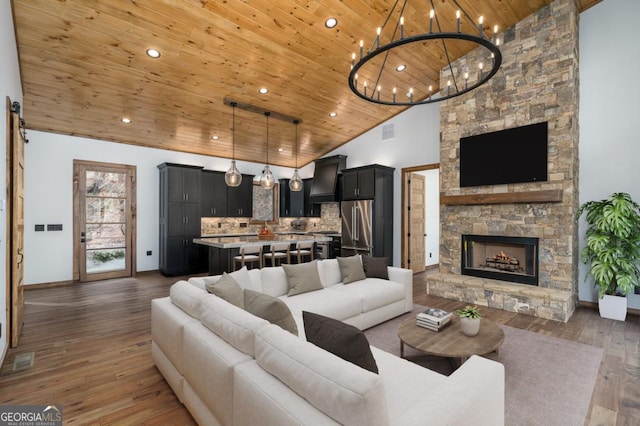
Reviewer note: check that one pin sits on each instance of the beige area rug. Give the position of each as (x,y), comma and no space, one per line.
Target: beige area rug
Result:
(548,381)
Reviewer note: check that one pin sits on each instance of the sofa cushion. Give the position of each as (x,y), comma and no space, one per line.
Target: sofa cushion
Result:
(328,302)
(302,278)
(187,297)
(373,293)
(322,378)
(270,308)
(228,289)
(340,339)
(375,267)
(329,272)
(274,281)
(351,269)
(234,325)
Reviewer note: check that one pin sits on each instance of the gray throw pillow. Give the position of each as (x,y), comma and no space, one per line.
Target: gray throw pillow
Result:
(302,277)
(341,339)
(228,289)
(351,269)
(270,308)
(375,267)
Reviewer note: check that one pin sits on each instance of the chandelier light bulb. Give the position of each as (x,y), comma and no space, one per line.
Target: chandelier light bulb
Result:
(266,179)
(295,183)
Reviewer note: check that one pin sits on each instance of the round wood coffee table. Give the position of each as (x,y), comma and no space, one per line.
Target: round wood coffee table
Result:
(449,342)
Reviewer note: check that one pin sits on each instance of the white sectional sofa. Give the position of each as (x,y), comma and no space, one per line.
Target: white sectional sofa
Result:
(230,367)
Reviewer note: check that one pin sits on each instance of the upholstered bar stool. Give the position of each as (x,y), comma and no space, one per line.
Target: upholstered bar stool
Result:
(278,252)
(303,250)
(248,254)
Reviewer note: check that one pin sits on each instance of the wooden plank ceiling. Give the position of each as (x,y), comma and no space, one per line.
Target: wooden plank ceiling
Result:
(83,67)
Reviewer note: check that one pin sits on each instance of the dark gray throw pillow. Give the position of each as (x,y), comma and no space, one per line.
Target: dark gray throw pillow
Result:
(343,340)
(228,289)
(270,308)
(375,267)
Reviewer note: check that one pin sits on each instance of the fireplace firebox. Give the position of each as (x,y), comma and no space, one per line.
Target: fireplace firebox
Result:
(513,259)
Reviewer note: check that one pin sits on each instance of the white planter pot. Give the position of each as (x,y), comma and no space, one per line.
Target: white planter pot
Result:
(470,327)
(613,307)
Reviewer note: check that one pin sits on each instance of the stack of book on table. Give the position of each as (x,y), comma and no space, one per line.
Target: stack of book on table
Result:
(433,318)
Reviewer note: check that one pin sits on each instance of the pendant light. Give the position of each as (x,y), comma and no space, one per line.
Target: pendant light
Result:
(233,177)
(266,180)
(295,183)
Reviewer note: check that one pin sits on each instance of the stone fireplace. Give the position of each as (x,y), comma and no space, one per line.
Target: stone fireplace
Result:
(538,81)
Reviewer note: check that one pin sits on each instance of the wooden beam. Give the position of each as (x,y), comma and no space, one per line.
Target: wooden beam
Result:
(544,196)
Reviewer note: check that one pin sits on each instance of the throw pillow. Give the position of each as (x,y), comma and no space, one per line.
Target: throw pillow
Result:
(302,277)
(375,267)
(351,269)
(270,308)
(343,340)
(228,289)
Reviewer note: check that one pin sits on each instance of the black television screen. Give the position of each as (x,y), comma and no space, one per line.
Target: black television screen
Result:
(508,156)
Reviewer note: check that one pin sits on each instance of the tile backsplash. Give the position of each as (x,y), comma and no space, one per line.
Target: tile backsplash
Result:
(329,221)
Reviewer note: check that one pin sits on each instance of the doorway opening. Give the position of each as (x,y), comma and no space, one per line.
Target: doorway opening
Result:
(420,217)
(104,221)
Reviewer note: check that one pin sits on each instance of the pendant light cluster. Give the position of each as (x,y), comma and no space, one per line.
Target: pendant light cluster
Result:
(233,177)
(266,179)
(295,183)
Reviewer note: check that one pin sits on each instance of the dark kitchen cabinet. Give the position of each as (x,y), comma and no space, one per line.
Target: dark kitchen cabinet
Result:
(310,209)
(179,219)
(359,183)
(213,194)
(291,202)
(240,198)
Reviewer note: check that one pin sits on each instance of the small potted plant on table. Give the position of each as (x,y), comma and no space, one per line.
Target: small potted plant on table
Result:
(469,320)
(612,250)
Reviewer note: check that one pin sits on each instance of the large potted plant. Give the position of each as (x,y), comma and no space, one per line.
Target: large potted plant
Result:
(612,250)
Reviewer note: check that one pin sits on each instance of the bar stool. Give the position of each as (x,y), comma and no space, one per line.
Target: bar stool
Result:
(278,252)
(248,254)
(303,249)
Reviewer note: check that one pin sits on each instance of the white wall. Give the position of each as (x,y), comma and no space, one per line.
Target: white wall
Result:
(431,215)
(49,196)
(416,143)
(609,110)
(9,86)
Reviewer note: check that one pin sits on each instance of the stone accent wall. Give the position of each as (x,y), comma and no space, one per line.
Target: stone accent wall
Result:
(538,81)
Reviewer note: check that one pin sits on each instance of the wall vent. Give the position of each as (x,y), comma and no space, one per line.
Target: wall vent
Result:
(388,131)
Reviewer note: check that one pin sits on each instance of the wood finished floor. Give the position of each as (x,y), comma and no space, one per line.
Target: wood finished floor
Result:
(92,346)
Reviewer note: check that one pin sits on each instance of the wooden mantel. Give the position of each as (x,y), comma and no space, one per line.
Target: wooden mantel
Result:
(546,196)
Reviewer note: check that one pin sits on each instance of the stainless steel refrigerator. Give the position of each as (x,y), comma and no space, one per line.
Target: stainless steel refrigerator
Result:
(357,235)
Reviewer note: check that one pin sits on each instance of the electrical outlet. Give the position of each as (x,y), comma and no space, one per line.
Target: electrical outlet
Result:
(219,224)
(148,252)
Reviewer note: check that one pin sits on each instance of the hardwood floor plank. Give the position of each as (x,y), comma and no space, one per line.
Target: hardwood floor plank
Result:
(92,345)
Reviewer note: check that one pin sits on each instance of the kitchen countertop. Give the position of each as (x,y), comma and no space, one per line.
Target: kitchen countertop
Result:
(227,242)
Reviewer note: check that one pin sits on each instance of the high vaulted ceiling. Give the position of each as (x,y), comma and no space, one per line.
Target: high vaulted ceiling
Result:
(83,67)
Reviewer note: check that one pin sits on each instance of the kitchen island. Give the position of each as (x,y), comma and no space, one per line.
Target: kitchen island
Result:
(223,249)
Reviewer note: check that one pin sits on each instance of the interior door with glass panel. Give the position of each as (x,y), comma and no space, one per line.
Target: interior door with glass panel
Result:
(104,220)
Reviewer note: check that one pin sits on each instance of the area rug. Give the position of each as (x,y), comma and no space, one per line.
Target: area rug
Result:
(548,381)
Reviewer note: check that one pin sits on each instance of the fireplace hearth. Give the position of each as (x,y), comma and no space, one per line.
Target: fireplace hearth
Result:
(513,259)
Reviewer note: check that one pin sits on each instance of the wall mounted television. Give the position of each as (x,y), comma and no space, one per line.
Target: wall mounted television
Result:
(515,155)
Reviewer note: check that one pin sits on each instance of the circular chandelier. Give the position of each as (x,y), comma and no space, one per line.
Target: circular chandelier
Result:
(400,72)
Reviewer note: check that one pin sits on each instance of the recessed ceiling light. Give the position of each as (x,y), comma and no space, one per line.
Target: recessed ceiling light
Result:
(401,67)
(333,114)
(280,149)
(153,53)
(215,137)
(331,22)
(125,120)
(263,90)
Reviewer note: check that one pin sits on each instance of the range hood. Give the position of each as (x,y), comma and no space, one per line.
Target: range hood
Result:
(325,187)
